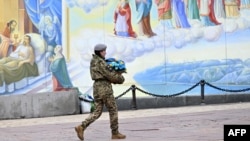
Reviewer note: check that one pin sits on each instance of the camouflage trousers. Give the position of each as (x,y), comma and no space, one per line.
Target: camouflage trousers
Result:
(109,101)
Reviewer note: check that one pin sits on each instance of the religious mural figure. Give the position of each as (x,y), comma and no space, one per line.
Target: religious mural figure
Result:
(6,38)
(232,8)
(211,15)
(58,67)
(219,9)
(207,15)
(19,64)
(50,29)
(143,8)
(164,12)
(193,10)
(122,19)
(244,4)
(179,11)
(46,15)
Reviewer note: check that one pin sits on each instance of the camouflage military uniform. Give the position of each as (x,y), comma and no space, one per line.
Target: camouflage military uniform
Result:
(103,92)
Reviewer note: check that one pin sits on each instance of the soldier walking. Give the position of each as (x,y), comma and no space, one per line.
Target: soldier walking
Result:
(103,93)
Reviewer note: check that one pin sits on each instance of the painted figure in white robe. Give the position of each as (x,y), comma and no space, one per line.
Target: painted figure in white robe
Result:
(19,64)
(122,19)
(219,9)
(206,9)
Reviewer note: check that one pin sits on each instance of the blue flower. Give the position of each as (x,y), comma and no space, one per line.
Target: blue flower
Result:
(117,65)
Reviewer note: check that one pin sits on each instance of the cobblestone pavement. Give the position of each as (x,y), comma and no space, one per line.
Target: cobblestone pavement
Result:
(189,123)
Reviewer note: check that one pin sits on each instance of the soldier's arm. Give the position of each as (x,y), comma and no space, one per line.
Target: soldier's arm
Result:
(111,75)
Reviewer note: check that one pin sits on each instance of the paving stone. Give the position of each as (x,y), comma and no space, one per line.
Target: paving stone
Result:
(188,123)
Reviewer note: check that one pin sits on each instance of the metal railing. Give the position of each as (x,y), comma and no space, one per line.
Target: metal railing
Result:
(202,84)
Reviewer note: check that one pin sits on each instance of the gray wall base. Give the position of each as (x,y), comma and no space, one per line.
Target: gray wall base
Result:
(68,103)
(39,105)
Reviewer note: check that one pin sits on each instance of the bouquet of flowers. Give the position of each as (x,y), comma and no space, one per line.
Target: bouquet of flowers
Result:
(116,65)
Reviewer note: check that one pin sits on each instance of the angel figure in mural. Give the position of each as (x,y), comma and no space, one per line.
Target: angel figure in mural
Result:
(19,64)
(164,12)
(143,8)
(180,16)
(58,67)
(46,15)
(122,19)
(50,29)
(6,38)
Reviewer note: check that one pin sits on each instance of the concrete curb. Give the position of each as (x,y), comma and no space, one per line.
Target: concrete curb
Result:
(39,105)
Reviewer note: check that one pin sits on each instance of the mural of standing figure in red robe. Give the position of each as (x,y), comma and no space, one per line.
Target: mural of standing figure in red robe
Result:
(122,19)
(5,38)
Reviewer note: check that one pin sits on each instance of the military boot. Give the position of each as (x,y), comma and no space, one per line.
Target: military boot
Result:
(118,136)
(80,132)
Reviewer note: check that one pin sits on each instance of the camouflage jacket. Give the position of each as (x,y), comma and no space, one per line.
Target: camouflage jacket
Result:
(99,71)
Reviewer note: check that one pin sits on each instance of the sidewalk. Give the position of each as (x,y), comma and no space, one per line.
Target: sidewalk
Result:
(189,123)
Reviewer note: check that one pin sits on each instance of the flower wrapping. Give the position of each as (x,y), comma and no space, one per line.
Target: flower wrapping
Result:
(116,65)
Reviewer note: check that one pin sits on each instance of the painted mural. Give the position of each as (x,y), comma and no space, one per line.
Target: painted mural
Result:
(167,45)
